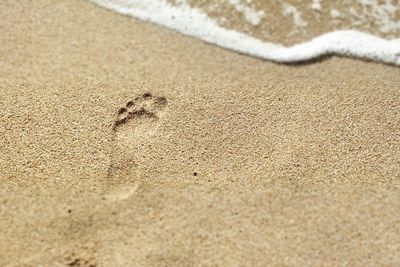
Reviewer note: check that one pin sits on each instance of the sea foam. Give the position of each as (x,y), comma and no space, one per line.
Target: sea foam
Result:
(194,22)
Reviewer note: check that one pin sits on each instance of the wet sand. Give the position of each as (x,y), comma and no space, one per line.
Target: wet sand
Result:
(126,144)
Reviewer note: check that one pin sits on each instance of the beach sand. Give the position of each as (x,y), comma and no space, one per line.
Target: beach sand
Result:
(125,144)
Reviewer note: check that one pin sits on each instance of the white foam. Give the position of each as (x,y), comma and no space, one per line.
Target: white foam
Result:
(193,22)
(383,12)
(335,13)
(290,10)
(316,5)
(252,16)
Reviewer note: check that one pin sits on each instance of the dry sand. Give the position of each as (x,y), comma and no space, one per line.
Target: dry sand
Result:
(233,162)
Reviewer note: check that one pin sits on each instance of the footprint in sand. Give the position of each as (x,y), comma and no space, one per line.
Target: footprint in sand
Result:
(136,125)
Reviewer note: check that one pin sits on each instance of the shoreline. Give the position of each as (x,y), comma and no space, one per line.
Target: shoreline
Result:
(348,43)
(218,158)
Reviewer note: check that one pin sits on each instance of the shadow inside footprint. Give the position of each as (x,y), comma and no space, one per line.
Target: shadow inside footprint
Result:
(145,106)
(135,125)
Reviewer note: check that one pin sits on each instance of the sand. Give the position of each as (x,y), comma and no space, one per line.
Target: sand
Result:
(289,22)
(218,160)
